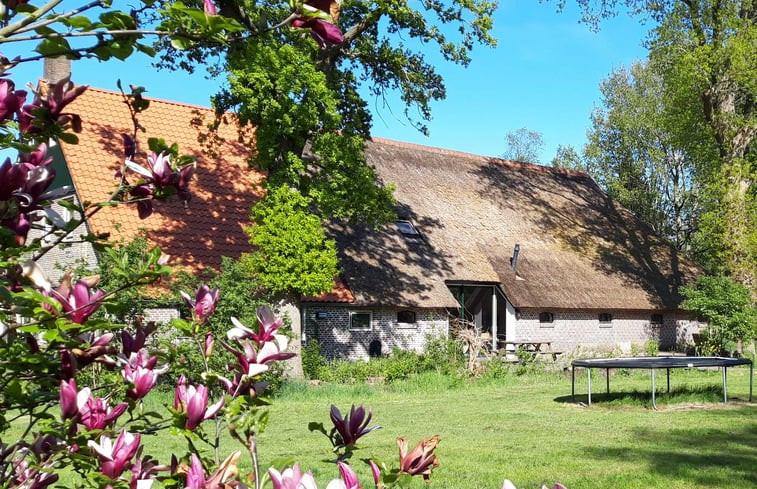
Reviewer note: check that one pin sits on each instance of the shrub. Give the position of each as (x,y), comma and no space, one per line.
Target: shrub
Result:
(312,360)
(652,348)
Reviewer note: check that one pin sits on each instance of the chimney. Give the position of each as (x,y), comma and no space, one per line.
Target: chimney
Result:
(514,258)
(56,69)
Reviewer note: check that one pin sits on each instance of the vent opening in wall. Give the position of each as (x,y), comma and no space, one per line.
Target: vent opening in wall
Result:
(605,317)
(360,321)
(546,317)
(406,317)
(656,319)
(407,228)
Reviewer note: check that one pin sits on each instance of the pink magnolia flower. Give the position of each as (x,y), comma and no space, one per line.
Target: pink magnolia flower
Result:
(292,478)
(47,108)
(142,380)
(36,158)
(194,402)
(375,471)
(421,459)
(353,426)
(209,7)
(11,100)
(204,302)
(78,302)
(252,362)
(96,413)
(226,471)
(70,399)
(349,479)
(325,33)
(115,456)
(209,342)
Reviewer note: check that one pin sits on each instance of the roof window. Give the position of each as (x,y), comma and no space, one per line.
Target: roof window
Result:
(407,228)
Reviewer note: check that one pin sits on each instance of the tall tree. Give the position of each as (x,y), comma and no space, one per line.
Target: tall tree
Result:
(524,145)
(707,48)
(643,147)
(567,158)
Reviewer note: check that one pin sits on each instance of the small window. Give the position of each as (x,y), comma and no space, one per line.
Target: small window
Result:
(360,321)
(605,317)
(406,317)
(407,228)
(546,317)
(657,319)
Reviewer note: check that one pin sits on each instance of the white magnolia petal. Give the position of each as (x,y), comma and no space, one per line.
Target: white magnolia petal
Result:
(256,369)
(82,397)
(282,340)
(55,218)
(137,168)
(336,484)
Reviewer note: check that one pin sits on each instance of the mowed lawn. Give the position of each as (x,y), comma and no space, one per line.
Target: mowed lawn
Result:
(525,428)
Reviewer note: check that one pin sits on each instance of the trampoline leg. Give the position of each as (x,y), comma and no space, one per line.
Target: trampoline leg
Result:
(607,373)
(654,404)
(573,383)
(751,376)
(668,381)
(725,385)
(588,373)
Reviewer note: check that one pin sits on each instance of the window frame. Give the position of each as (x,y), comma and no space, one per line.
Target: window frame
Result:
(409,228)
(370,321)
(605,319)
(653,317)
(547,314)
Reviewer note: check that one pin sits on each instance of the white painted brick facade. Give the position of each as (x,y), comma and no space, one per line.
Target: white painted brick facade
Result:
(338,341)
(64,257)
(160,315)
(571,329)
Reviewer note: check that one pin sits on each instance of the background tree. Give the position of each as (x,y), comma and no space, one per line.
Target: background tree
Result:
(704,50)
(567,158)
(644,146)
(524,145)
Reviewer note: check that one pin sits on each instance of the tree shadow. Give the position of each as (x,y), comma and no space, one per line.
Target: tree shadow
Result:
(704,457)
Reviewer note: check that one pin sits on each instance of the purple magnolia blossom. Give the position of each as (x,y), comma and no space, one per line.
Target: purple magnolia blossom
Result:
(96,413)
(209,342)
(78,302)
(228,470)
(194,402)
(160,179)
(209,7)
(142,380)
(11,100)
(29,477)
(143,471)
(325,33)
(71,399)
(421,459)
(115,457)
(204,302)
(36,158)
(353,426)
(252,362)
(349,479)
(47,108)
(292,478)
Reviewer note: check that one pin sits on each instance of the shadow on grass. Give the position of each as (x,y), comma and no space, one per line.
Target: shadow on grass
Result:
(677,395)
(704,457)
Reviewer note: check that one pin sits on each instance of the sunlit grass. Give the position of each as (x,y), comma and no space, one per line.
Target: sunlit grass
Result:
(527,429)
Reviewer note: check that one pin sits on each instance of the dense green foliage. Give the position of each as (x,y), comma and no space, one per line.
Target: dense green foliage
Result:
(675,139)
(726,306)
(310,117)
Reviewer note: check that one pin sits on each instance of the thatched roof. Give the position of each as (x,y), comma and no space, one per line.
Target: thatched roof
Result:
(578,248)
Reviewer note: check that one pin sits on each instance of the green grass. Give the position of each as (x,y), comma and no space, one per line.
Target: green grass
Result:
(527,429)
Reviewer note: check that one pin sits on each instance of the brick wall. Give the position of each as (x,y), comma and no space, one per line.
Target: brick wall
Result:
(160,315)
(331,326)
(65,256)
(573,328)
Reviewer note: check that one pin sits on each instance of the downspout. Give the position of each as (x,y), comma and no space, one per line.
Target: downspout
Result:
(494,318)
(303,316)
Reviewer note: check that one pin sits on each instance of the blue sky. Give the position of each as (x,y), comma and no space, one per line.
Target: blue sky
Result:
(543,75)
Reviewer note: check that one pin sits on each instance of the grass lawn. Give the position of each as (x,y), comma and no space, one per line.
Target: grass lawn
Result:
(526,429)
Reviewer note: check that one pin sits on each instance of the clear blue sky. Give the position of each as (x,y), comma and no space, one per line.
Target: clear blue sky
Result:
(544,75)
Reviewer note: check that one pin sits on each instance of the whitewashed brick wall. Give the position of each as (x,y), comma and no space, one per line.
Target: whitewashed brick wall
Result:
(160,315)
(64,257)
(573,328)
(338,341)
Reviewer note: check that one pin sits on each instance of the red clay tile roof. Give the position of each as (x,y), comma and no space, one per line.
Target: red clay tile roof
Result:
(223,187)
(340,293)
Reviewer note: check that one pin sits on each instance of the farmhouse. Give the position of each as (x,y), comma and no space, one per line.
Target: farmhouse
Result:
(524,252)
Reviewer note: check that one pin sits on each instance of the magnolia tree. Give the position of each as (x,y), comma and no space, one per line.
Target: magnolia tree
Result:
(53,428)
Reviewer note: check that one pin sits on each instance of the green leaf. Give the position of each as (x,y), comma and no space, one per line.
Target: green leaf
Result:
(181,43)
(54,46)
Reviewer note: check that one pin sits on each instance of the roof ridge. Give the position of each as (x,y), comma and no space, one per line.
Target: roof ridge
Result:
(491,159)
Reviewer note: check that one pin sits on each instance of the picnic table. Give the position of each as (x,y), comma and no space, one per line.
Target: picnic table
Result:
(537,347)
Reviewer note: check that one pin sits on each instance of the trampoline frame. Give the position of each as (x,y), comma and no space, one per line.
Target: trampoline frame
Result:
(654,363)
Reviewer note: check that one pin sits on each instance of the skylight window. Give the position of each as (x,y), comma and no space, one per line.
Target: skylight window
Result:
(407,228)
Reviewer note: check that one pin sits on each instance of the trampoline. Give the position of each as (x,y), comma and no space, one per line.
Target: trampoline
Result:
(654,363)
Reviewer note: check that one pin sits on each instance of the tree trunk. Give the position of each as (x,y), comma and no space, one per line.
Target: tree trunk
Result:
(294,365)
